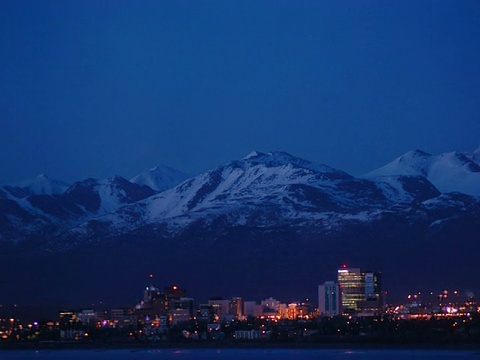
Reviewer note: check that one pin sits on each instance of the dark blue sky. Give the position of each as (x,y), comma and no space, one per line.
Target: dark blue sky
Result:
(96,88)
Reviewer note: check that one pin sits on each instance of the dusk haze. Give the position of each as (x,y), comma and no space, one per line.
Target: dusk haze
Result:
(225,173)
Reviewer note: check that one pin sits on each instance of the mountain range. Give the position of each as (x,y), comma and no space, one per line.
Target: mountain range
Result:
(267,224)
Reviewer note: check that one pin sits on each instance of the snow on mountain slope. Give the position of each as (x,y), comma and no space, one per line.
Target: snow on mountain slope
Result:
(83,201)
(448,172)
(160,178)
(474,156)
(253,181)
(262,190)
(104,196)
(40,185)
(406,189)
(265,190)
(280,158)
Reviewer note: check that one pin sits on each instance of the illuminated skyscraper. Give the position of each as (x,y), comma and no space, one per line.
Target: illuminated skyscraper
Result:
(361,291)
(352,286)
(373,304)
(373,289)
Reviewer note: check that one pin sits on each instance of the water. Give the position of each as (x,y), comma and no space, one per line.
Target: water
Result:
(250,354)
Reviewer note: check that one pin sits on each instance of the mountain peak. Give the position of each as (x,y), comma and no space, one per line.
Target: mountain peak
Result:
(160,178)
(39,185)
(38,178)
(448,172)
(281,158)
(278,157)
(253,154)
(476,156)
(416,153)
(117,178)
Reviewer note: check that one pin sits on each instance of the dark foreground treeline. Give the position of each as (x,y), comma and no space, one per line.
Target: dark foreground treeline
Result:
(460,331)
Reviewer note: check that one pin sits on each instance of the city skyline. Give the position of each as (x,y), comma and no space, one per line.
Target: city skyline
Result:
(169,315)
(349,295)
(299,176)
(304,129)
(356,292)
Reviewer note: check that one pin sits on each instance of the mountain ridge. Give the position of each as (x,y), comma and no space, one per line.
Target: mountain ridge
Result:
(160,178)
(448,172)
(268,190)
(248,191)
(269,223)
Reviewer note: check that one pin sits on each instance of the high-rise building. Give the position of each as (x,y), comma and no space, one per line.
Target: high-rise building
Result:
(173,293)
(373,288)
(228,309)
(220,306)
(373,303)
(157,303)
(236,307)
(181,309)
(352,286)
(361,291)
(251,308)
(329,299)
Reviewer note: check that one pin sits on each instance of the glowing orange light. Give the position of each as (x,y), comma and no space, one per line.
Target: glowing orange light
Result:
(174,287)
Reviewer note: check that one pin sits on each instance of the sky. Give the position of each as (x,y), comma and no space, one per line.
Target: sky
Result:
(97,88)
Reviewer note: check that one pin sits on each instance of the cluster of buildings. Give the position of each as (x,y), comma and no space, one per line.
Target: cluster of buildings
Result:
(161,308)
(356,292)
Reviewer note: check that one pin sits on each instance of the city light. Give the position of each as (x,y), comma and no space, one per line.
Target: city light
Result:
(355,297)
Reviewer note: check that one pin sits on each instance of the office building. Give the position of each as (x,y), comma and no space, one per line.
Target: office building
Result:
(360,291)
(329,299)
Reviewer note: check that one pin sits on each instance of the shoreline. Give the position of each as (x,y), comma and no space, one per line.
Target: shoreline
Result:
(356,345)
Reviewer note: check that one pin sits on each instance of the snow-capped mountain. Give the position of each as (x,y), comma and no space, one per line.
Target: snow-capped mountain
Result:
(160,178)
(261,190)
(100,197)
(46,207)
(32,214)
(448,172)
(267,190)
(269,219)
(474,156)
(40,185)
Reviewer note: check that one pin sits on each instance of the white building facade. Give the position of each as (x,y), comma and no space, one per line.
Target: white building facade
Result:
(329,299)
